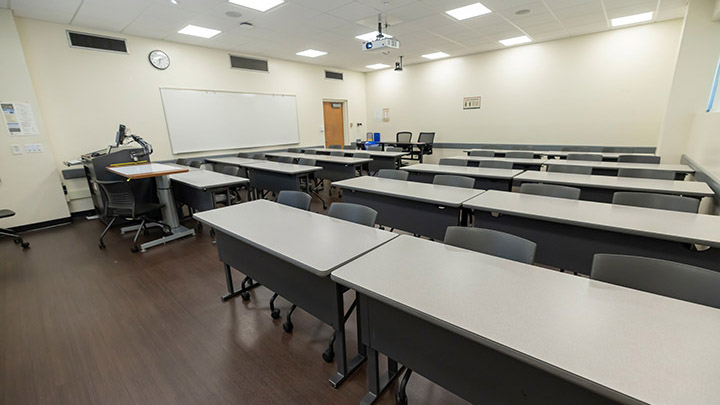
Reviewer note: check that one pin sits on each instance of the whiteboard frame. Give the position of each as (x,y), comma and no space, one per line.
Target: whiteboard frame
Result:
(167,125)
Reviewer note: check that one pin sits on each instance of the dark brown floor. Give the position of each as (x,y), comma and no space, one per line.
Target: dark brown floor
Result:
(83,326)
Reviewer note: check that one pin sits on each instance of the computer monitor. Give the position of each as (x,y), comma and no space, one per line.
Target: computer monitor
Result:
(120,136)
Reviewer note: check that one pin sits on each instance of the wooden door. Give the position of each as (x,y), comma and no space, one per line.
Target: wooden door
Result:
(334,124)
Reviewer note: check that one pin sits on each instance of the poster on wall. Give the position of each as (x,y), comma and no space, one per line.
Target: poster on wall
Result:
(19,119)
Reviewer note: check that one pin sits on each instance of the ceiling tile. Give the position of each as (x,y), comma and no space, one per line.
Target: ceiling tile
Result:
(3,4)
(59,11)
(109,14)
(322,5)
(354,12)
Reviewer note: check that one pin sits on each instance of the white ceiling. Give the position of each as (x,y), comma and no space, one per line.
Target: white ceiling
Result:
(331,25)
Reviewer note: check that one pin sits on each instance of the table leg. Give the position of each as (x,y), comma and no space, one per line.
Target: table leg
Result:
(169,214)
(232,293)
(344,369)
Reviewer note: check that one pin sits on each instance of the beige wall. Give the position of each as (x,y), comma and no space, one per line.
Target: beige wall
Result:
(29,183)
(609,88)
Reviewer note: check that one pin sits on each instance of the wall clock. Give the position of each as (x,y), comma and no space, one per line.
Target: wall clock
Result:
(159,59)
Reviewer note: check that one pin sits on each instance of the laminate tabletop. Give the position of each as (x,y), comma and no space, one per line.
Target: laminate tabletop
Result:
(145,170)
(372,153)
(284,168)
(322,158)
(206,180)
(517,161)
(233,161)
(482,172)
(661,224)
(314,242)
(622,342)
(410,190)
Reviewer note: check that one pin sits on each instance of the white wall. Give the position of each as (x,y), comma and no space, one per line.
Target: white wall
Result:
(609,88)
(29,183)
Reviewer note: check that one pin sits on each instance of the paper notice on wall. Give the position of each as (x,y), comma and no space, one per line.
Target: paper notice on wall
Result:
(19,119)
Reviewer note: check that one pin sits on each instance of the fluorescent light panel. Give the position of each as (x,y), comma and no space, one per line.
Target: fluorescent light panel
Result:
(201,32)
(632,19)
(370,36)
(311,53)
(436,55)
(469,11)
(515,41)
(377,66)
(259,5)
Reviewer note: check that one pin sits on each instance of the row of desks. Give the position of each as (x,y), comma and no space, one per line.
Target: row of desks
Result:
(488,329)
(608,156)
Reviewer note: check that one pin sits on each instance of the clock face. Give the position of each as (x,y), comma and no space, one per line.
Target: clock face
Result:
(159,59)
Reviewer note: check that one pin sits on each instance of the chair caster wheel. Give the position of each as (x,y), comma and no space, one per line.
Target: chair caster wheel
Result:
(101,245)
(25,245)
(245,296)
(288,327)
(328,355)
(275,314)
(134,249)
(17,241)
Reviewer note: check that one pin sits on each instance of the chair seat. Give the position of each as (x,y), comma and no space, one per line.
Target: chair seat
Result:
(140,209)
(6,213)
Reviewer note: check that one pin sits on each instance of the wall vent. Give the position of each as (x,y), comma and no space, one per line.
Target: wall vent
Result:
(333,75)
(96,42)
(240,62)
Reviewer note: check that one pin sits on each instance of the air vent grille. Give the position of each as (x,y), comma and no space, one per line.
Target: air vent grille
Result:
(88,41)
(240,62)
(333,75)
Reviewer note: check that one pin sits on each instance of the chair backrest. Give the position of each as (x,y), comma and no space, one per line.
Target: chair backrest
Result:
(231,170)
(520,155)
(296,199)
(639,159)
(453,162)
(294,150)
(492,242)
(341,154)
(335,146)
(392,174)
(495,164)
(258,156)
(662,277)
(361,155)
(311,151)
(647,174)
(118,197)
(588,157)
(373,147)
(181,162)
(306,162)
(286,159)
(482,153)
(454,181)
(404,136)
(658,201)
(196,164)
(612,149)
(569,169)
(245,155)
(551,190)
(357,213)
(426,137)
(393,149)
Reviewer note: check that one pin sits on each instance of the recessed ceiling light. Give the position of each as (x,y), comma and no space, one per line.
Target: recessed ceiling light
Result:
(175,2)
(632,19)
(259,5)
(370,36)
(233,14)
(311,53)
(199,31)
(470,11)
(377,66)
(436,55)
(522,12)
(515,41)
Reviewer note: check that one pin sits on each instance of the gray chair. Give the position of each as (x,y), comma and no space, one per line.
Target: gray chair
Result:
(374,147)
(657,201)
(181,162)
(339,154)
(482,153)
(495,164)
(662,277)
(613,149)
(454,181)
(392,174)
(588,157)
(222,198)
(5,213)
(245,155)
(639,159)
(196,164)
(335,146)
(520,155)
(296,199)
(356,213)
(453,162)
(306,162)
(491,242)
(393,149)
(311,151)
(569,169)
(551,190)
(258,156)
(361,155)
(647,174)
(294,150)
(286,159)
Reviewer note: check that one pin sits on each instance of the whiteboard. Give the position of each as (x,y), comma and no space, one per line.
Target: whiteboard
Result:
(204,120)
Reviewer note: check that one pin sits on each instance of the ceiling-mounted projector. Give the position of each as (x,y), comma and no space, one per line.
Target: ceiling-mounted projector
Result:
(379,43)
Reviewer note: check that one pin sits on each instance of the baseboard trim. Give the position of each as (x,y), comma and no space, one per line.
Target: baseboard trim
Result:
(41,225)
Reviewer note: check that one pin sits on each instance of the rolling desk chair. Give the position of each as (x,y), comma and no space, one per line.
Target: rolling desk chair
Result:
(453,162)
(551,190)
(9,233)
(428,138)
(482,153)
(495,164)
(662,277)
(657,201)
(392,174)
(406,137)
(639,159)
(520,155)
(647,174)
(569,169)
(454,181)
(588,157)
(120,202)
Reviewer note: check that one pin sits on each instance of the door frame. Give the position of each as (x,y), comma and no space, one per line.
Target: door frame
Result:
(346,124)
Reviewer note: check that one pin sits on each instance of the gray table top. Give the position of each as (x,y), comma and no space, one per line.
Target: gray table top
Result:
(655,349)
(690,188)
(373,153)
(610,155)
(233,161)
(314,242)
(284,168)
(518,161)
(482,172)
(622,165)
(660,224)
(410,190)
(205,179)
(322,158)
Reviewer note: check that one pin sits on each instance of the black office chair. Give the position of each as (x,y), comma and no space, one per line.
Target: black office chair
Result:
(569,169)
(428,138)
(5,213)
(120,202)
(404,137)
(520,155)
(661,277)
(196,164)
(491,242)
(494,164)
(181,162)
(335,146)
(588,157)
(551,190)
(482,153)
(647,174)
(454,181)
(639,159)
(453,162)
(392,174)
(657,201)
(286,159)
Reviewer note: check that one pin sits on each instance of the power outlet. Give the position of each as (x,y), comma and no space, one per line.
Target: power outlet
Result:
(16,149)
(33,147)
